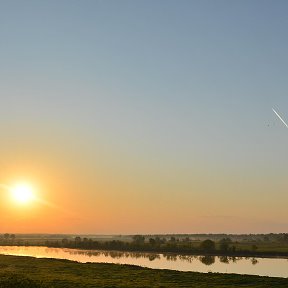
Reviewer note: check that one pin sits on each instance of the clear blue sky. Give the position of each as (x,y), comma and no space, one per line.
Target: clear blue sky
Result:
(169,100)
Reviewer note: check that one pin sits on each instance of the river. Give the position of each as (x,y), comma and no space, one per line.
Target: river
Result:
(273,267)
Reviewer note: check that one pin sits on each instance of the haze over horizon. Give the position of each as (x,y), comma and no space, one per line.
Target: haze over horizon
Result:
(144,116)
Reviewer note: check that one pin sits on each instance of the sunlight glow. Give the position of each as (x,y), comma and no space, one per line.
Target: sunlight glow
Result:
(22,193)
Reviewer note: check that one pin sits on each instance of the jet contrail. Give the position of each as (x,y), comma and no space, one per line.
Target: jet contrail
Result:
(280,118)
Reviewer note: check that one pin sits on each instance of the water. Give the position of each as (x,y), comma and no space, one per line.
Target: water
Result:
(273,267)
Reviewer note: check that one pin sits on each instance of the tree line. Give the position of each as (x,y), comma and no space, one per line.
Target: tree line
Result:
(157,244)
(154,244)
(7,236)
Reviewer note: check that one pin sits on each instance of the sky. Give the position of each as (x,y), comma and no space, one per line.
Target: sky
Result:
(133,117)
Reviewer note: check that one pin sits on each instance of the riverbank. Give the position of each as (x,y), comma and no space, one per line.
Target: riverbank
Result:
(261,246)
(241,252)
(24,272)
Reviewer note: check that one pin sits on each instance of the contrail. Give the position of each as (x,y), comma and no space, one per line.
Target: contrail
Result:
(280,118)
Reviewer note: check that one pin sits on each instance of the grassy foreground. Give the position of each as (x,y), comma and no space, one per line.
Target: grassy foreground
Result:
(28,272)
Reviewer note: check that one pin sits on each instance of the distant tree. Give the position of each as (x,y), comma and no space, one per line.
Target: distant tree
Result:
(138,239)
(284,238)
(172,239)
(224,244)
(158,240)
(6,236)
(78,239)
(207,245)
(65,241)
(12,237)
(152,241)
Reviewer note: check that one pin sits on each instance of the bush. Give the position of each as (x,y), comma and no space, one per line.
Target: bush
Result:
(207,245)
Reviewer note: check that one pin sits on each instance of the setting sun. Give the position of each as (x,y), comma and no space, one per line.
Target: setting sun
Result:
(22,193)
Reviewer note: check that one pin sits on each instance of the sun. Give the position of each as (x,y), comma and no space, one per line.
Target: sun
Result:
(22,193)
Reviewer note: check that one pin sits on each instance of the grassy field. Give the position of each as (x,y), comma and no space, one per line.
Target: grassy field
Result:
(26,272)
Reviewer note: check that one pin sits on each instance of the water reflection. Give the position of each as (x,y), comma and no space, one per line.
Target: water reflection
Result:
(204,263)
(206,260)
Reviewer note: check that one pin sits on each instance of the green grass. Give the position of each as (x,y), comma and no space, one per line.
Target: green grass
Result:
(264,247)
(28,272)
